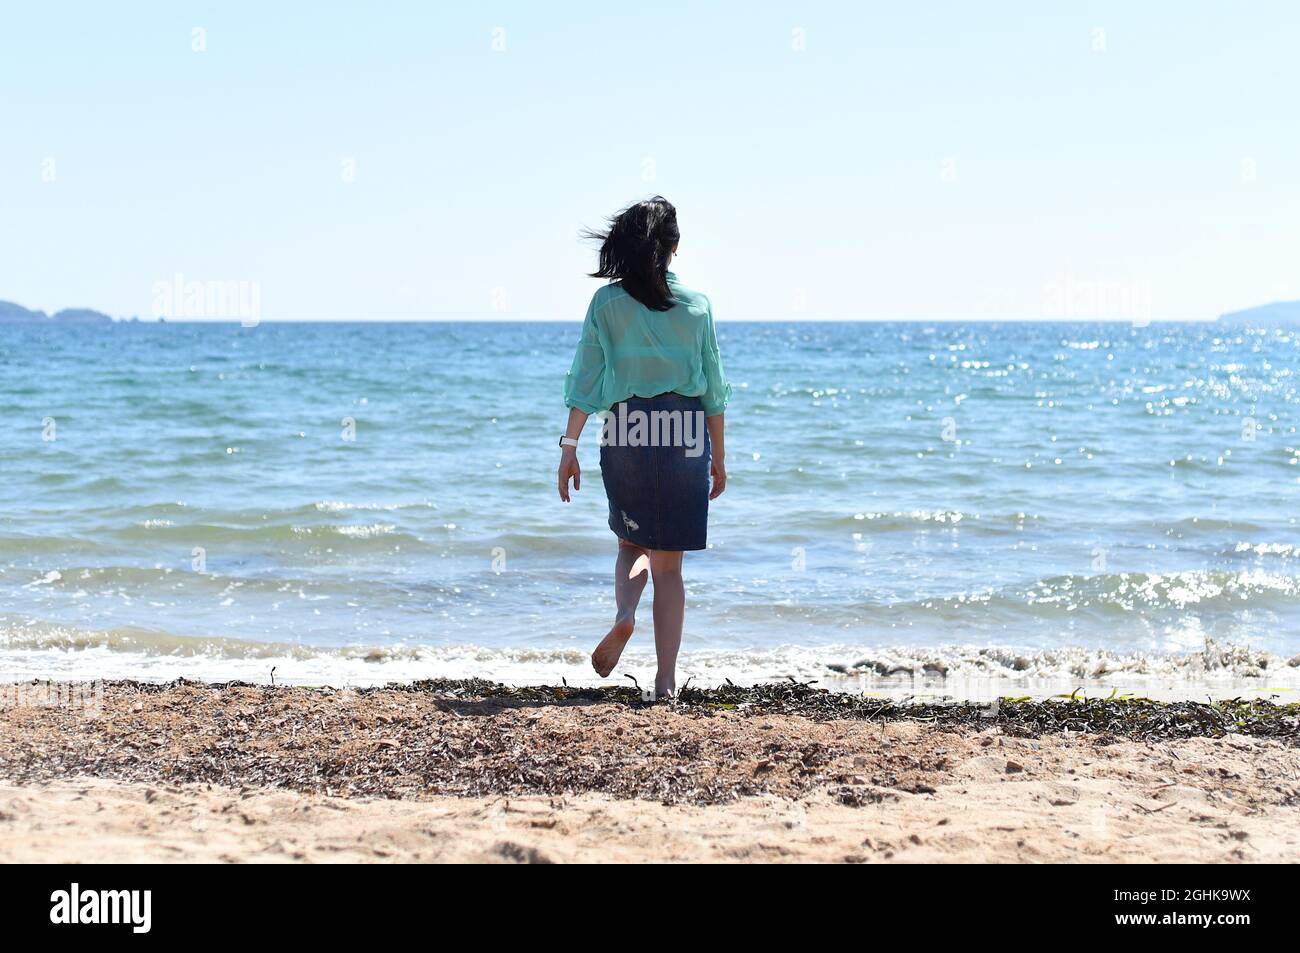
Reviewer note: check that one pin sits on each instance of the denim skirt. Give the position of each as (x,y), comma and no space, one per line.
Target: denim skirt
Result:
(654,461)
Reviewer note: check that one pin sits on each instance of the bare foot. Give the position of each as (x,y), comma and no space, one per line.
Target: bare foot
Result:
(664,690)
(611,647)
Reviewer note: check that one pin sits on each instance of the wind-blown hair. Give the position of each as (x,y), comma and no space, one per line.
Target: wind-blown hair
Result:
(636,249)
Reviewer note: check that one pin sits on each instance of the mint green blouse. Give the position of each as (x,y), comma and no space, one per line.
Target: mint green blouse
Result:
(628,350)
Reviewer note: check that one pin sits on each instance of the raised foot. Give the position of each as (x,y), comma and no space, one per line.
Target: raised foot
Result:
(611,647)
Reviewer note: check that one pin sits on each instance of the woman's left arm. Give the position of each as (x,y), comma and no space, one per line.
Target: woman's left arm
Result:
(717,455)
(717,394)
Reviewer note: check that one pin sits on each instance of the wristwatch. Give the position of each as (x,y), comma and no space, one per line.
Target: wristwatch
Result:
(568,441)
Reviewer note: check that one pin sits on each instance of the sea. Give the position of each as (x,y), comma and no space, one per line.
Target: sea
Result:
(918,508)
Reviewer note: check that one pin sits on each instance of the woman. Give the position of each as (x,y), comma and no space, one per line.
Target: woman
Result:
(648,356)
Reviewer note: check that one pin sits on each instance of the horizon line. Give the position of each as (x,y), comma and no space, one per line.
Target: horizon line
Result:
(51,322)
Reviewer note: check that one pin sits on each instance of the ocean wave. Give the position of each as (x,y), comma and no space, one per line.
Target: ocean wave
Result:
(49,651)
(353,532)
(1129,591)
(1123,593)
(157,643)
(885,521)
(1281,550)
(143,642)
(181,583)
(26,546)
(266,532)
(1116,596)
(1007,522)
(340,506)
(1237,661)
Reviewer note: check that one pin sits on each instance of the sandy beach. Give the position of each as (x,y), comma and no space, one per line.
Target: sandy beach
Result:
(472,772)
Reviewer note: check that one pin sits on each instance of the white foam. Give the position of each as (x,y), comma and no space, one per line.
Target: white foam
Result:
(960,671)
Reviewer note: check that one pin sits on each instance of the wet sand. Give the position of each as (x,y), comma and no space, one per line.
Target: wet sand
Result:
(193,772)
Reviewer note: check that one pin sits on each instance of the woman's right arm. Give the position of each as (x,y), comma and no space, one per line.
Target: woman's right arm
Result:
(569,469)
(583,386)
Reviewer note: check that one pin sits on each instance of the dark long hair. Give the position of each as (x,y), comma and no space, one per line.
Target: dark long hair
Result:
(636,249)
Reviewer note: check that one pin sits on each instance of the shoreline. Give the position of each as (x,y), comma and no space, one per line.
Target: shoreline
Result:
(471,770)
(951,672)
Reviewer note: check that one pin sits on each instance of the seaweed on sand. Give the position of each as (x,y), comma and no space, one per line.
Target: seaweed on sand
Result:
(1123,716)
(481,738)
(1137,718)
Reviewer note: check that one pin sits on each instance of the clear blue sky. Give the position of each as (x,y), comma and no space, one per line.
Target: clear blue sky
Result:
(938,160)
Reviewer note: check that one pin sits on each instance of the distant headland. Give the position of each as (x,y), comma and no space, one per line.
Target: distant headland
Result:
(1279,312)
(16,312)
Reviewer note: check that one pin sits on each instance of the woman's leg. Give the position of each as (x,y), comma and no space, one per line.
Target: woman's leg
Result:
(629,583)
(669,611)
